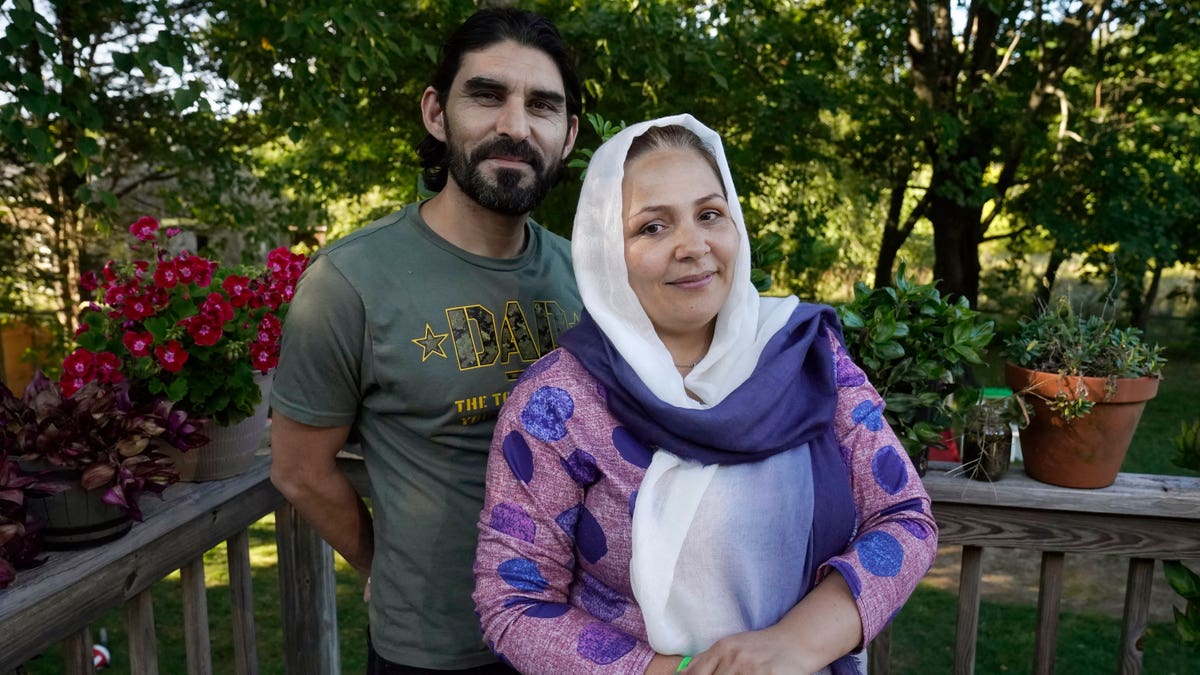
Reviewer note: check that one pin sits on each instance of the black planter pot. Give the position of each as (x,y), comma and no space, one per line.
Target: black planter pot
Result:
(76,518)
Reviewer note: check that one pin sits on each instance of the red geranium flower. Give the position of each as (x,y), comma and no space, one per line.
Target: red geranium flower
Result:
(165,275)
(215,305)
(144,228)
(108,367)
(79,363)
(204,329)
(171,356)
(138,344)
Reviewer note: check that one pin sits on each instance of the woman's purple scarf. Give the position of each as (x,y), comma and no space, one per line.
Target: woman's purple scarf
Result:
(788,400)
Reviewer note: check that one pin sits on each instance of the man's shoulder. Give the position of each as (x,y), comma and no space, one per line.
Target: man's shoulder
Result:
(370,236)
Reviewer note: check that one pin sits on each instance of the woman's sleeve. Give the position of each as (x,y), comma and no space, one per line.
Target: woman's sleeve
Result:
(526,556)
(896,540)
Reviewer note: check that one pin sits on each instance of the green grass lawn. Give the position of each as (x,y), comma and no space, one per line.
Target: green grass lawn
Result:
(923,633)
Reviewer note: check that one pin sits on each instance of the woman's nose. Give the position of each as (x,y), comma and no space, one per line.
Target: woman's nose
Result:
(692,242)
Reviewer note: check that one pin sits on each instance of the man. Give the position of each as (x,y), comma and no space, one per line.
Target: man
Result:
(410,332)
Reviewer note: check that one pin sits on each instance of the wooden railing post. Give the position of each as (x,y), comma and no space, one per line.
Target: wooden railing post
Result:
(966,627)
(1137,611)
(307,595)
(1050,588)
(195,618)
(241,603)
(139,622)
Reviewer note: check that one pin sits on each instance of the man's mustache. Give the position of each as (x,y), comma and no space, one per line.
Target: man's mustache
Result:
(506,147)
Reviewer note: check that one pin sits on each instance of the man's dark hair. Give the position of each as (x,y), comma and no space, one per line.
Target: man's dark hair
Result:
(481,30)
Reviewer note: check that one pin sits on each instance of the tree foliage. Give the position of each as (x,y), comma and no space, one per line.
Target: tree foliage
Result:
(850,126)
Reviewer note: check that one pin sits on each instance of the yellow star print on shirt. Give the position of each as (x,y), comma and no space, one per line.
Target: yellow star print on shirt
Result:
(431,343)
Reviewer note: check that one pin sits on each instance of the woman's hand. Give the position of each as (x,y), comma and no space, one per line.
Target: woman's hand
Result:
(663,664)
(816,632)
(759,652)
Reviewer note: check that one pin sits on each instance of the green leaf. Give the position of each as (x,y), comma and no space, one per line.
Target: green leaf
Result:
(178,389)
(88,146)
(158,327)
(1183,581)
(124,61)
(184,98)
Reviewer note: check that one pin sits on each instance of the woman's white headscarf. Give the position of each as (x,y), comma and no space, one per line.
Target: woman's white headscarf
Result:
(717,549)
(745,323)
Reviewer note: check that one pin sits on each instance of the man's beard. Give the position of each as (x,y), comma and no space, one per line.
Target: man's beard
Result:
(505,194)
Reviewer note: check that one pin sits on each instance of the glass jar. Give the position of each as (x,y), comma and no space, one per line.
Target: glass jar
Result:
(987,438)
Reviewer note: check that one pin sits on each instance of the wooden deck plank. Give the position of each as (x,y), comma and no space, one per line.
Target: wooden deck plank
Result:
(1133,494)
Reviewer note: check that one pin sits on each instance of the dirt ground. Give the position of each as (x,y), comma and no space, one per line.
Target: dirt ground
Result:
(1092,583)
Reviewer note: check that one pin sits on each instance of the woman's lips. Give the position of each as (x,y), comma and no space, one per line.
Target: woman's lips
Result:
(693,280)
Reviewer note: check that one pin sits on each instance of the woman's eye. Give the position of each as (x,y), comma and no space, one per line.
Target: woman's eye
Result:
(711,214)
(651,228)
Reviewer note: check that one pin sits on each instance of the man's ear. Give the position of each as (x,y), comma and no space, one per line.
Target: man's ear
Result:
(572,133)
(433,114)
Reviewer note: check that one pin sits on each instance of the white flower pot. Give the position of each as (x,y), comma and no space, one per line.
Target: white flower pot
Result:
(230,449)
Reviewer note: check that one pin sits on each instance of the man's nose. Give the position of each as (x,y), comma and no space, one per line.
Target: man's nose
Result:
(513,120)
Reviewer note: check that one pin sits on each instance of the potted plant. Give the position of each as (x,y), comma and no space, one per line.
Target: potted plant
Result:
(1085,382)
(915,347)
(102,443)
(183,327)
(20,530)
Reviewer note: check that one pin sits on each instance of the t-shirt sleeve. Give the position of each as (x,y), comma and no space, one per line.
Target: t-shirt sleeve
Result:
(525,561)
(321,361)
(896,540)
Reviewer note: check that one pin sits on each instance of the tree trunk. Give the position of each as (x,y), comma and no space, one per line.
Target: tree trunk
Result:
(1044,289)
(893,236)
(1141,313)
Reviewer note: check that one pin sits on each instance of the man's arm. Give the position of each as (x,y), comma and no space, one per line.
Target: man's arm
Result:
(304,469)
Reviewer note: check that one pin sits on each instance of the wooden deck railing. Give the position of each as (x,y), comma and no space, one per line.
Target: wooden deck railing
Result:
(1142,517)
(1145,518)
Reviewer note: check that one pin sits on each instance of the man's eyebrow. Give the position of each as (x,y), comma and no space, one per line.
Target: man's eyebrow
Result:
(483,83)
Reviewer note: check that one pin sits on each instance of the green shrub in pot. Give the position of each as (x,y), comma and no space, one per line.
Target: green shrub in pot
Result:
(915,346)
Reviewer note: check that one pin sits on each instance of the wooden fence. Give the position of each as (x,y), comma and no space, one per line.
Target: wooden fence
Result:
(1144,518)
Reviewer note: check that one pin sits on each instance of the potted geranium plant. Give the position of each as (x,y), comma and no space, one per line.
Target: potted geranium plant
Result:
(181,326)
(102,443)
(1085,381)
(915,347)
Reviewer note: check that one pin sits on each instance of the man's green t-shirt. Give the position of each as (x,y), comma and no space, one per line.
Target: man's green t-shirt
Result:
(416,343)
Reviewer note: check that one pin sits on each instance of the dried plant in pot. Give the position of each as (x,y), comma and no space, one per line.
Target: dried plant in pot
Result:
(103,443)
(1085,382)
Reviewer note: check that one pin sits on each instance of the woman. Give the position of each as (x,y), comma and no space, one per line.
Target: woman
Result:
(699,478)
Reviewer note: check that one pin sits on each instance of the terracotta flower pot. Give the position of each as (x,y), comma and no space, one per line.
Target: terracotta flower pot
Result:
(1086,452)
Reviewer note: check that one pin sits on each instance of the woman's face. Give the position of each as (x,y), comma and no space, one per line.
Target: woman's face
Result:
(680,242)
